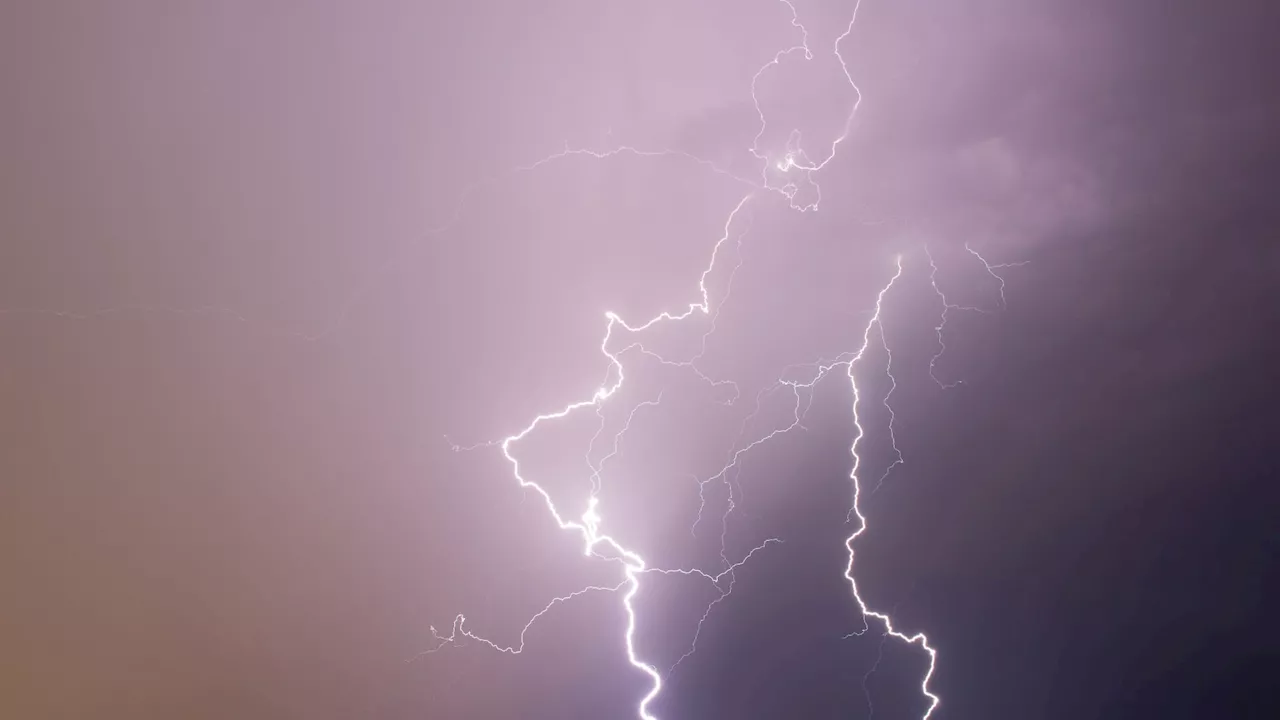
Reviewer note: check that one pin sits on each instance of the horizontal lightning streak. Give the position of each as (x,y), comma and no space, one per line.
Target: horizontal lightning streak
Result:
(459,632)
(355,295)
(727,572)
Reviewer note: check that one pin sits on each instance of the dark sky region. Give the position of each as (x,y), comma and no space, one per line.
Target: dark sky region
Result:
(252,275)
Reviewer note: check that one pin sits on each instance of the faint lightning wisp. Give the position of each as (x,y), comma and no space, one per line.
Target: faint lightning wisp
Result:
(794,156)
(991,270)
(948,306)
(893,438)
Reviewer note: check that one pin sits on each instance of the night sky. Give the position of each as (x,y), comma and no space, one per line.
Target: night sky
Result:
(264,265)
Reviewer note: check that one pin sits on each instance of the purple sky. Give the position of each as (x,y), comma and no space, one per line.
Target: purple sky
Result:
(259,260)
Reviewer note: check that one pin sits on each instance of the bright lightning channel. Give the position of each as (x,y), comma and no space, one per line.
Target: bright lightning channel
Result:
(588,524)
(918,638)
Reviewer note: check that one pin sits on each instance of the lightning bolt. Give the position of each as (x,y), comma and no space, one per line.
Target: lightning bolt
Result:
(781,174)
(917,638)
(866,679)
(795,161)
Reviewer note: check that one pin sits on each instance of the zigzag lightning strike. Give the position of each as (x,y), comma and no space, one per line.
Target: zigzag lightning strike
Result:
(794,164)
